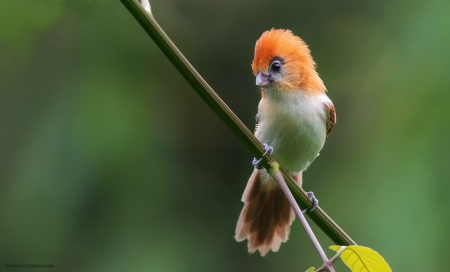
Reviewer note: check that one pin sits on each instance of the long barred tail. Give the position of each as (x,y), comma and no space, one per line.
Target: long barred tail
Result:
(266,218)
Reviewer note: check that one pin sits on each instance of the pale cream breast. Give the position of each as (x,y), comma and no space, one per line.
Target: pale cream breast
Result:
(294,124)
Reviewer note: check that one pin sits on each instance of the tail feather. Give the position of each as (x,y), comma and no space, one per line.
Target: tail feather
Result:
(267,215)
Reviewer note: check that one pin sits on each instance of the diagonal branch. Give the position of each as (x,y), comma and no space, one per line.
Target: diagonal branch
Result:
(148,22)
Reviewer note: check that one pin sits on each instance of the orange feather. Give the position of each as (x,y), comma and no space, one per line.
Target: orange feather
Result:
(300,72)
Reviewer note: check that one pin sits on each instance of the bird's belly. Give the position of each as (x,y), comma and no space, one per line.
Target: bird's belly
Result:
(296,140)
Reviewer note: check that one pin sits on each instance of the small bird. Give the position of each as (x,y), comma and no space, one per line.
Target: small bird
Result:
(294,118)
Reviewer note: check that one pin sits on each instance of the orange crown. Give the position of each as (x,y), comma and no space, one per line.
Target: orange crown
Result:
(299,67)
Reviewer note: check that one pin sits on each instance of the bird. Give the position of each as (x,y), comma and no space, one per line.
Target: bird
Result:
(294,118)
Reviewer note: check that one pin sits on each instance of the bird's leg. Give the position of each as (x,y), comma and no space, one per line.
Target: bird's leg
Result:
(314,200)
(257,164)
(267,149)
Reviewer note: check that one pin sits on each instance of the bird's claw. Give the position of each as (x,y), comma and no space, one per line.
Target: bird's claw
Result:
(267,149)
(314,200)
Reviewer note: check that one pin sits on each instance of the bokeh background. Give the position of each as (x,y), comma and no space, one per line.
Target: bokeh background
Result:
(109,161)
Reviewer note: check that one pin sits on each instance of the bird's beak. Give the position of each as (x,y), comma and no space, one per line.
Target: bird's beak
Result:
(262,80)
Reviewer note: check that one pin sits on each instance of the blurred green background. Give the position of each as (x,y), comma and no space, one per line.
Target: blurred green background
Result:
(109,161)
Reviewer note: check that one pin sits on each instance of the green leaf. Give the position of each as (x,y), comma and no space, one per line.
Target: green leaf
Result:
(311,269)
(359,258)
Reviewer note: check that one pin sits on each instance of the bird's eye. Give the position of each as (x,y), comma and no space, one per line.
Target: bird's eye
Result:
(275,67)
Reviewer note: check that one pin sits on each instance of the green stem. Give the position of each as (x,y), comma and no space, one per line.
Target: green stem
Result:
(148,22)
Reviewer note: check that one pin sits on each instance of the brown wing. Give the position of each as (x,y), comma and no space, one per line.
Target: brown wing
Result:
(331,118)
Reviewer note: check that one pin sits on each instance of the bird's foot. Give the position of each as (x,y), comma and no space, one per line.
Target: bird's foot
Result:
(314,200)
(267,150)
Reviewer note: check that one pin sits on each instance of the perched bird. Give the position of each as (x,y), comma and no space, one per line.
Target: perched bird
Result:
(294,118)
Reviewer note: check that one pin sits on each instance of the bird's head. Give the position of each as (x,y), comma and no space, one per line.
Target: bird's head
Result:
(283,62)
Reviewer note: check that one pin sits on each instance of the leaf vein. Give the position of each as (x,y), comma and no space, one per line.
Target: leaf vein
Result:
(359,259)
(348,257)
